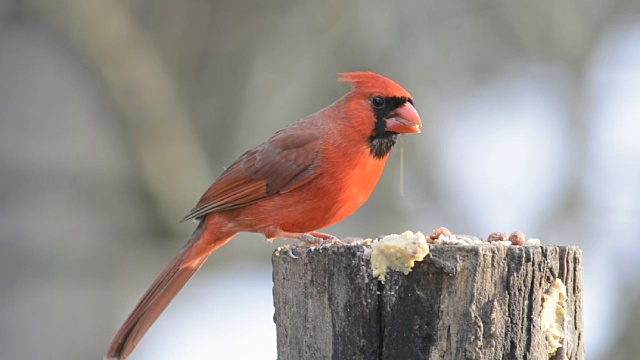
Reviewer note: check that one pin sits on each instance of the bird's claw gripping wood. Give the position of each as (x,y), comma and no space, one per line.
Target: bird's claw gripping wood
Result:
(309,241)
(290,252)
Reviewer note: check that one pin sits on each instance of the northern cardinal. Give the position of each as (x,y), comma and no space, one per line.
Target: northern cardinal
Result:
(308,176)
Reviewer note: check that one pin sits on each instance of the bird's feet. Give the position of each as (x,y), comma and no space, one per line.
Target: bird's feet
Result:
(309,240)
(312,240)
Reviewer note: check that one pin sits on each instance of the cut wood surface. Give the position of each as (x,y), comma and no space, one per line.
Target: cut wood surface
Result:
(461,302)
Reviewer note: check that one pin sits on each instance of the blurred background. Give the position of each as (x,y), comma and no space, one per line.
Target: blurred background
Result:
(116,115)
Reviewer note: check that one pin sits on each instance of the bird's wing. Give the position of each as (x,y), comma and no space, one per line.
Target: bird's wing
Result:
(286,161)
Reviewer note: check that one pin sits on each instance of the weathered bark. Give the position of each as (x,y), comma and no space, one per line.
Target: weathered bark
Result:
(461,302)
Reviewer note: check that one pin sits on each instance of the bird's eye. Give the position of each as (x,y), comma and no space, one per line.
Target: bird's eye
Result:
(378,102)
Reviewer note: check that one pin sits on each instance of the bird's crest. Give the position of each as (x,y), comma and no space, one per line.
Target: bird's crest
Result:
(373,83)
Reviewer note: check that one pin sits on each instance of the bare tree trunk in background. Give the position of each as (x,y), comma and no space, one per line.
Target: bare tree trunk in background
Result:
(169,155)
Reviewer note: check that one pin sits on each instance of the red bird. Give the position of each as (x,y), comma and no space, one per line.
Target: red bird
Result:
(308,176)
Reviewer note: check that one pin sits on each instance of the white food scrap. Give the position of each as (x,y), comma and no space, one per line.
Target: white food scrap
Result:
(397,252)
(468,239)
(443,236)
(534,242)
(553,314)
(502,243)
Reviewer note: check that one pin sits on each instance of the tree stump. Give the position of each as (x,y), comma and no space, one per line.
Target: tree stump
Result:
(460,302)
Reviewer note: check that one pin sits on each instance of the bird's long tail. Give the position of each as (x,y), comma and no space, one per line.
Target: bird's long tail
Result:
(201,244)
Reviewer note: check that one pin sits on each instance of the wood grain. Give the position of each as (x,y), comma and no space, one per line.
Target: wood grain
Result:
(461,302)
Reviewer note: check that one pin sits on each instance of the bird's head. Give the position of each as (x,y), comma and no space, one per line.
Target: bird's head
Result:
(385,110)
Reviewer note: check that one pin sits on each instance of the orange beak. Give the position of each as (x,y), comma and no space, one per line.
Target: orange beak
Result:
(404,120)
